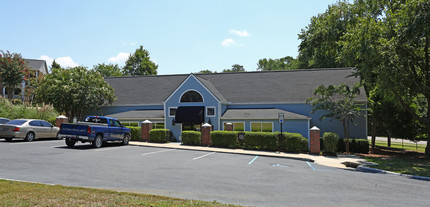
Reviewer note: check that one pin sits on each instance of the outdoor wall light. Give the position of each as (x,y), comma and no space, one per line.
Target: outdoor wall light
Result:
(210,122)
(173,122)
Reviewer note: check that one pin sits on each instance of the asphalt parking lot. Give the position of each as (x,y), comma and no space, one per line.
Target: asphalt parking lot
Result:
(226,178)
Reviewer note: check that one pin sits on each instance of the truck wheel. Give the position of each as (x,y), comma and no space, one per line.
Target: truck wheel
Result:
(70,143)
(126,139)
(58,137)
(98,141)
(8,139)
(29,137)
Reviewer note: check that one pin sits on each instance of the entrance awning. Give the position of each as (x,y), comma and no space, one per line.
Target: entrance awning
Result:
(190,114)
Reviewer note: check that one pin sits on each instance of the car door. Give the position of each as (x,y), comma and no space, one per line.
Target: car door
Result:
(118,130)
(37,128)
(49,129)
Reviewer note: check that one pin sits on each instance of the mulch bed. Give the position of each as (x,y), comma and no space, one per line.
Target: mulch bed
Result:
(392,153)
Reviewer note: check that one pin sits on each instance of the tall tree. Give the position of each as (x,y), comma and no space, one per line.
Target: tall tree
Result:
(55,65)
(234,69)
(13,71)
(109,70)
(339,103)
(285,63)
(139,63)
(74,91)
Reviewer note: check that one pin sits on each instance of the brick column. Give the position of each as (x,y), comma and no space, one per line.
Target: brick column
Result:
(206,134)
(314,141)
(228,127)
(61,119)
(145,128)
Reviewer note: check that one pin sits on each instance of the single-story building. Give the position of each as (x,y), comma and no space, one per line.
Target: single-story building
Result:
(251,101)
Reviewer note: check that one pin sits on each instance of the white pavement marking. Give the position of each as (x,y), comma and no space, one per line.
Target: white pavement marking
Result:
(253,160)
(158,152)
(109,148)
(204,156)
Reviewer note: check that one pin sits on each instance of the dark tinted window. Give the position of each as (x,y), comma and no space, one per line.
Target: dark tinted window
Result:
(96,120)
(35,123)
(191,96)
(116,123)
(2,121)
(17,122)
(46,124)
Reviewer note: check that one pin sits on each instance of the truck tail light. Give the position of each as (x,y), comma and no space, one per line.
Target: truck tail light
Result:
(16,129)
(89,130)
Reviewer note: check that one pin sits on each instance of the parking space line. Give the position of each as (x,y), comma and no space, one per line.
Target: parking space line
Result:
(313,168)
(204,156)
(253,160)
(158,152)
(110,148)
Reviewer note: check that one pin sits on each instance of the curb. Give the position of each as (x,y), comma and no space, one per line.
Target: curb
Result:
(374,170)
(210,150)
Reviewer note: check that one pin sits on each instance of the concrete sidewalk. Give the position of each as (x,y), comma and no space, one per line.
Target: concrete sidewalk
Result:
(330,161)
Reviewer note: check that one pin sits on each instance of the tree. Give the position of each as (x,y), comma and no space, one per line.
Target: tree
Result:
(13,70)
(74,91)
(234,69)
(319,40)
(55,65)
(339,103)
(109,70)
(285,63)
(139,63)
(206,71)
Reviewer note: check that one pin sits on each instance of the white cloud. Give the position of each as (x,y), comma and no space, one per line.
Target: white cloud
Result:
(120,58)
(242,33)
(65,62)
(228,42)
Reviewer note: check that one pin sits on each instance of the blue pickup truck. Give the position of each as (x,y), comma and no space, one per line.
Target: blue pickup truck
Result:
(95,129)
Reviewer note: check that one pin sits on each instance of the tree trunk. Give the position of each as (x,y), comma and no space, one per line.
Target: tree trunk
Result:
(427,151)
(347,136)
(9,93)
(373,132)
(389,140)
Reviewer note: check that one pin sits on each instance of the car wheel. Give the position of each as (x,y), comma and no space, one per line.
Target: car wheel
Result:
(98,141)
(8,139)
(29,137)
(70,143)
(59,138)
(126,139)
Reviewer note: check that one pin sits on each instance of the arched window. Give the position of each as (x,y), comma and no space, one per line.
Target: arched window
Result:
(192,96)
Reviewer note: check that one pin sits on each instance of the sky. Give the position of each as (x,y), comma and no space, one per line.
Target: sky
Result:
(182,37)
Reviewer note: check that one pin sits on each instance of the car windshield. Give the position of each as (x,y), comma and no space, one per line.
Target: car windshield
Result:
(96,120)
(17,122)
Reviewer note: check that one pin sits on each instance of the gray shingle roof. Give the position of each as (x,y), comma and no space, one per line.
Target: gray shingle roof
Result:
(37,65)
(139,114)
(259,114)
(144,89)
(291,86)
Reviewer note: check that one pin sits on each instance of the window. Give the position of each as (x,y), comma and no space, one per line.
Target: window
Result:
(172,112)
(237,126)
(158,125)
(46,124)
(210,111)
(116,123)
(191,96)
(35,123)
(262,126)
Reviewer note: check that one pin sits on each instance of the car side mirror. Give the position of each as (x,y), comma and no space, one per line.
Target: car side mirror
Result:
(122,126)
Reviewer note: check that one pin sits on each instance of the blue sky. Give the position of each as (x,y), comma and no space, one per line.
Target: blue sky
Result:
(182,36)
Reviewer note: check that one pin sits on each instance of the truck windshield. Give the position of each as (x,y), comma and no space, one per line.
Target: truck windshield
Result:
(96,120)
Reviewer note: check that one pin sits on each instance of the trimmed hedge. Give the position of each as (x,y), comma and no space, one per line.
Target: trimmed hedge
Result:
(295,142)
(191,138)
(135,133)
(355,145)
(225,139)
(260,141)
(330,140)
(159,135)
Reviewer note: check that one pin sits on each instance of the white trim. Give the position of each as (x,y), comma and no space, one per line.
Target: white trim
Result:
(165,115)
(192,89)
(232,122)
(261,103)
(155,122)
(207,107)
(191,75)
(250,124)
(367,132)
(219,116)
(168,111)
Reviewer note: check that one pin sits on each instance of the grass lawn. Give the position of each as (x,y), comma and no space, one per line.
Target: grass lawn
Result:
(406,146)
(405,165)
(13,193)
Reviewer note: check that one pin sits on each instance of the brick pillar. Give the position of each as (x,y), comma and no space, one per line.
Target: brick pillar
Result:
(145,128)
(314,141)
(206,134)
(228,127)
(61,119)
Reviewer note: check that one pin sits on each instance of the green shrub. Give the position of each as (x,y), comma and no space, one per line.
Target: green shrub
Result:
(26,111)
(260,141)
(191,138)
(330,140)
(135,133)
(159,135)
(224,139)
(295,142)
(355,145)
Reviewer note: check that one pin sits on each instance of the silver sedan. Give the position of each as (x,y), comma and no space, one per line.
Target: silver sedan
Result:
(28,129)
